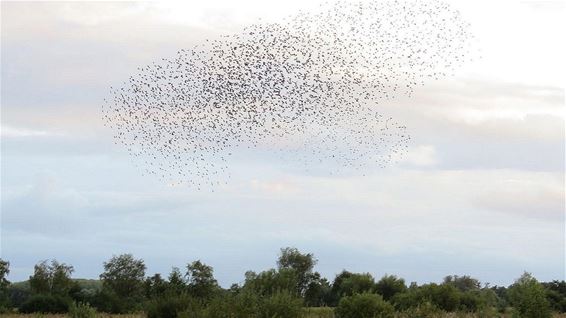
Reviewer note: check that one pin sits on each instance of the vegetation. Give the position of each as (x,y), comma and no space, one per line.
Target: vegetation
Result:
(293,289)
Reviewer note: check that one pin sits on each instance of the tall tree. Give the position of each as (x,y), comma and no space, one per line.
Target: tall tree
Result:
(528,297)
(53,278)
(176,282)
(4,271)
(4,283)
(389,285)
(302,264)
(124,275)
(201,279)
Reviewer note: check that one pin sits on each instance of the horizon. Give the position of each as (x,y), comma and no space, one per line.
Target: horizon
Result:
(480,191)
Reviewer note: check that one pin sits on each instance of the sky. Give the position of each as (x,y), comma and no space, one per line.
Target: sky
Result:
(480,193)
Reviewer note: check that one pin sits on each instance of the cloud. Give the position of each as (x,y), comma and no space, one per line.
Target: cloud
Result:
(8,131)
(420,156)
(478,193)
(526,201)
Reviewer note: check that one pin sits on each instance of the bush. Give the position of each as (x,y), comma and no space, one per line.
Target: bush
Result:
(281,304)
(318,312)
(528,298)
(45,304)
(81,310)
(109,302)
(173,306)
(245,304)
(364,305)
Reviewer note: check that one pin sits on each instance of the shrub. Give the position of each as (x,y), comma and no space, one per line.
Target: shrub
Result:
(281,304)
(81,310)
(318,312)
(45,304)
(528,298)
(245,304)
(424,310)
(172,306)
(366,305)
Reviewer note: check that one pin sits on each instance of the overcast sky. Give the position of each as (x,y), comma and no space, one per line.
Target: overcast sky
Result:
(481,191)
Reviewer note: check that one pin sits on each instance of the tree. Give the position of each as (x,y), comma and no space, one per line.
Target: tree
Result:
(389,285)
(54,278)
(176,281)
(318,291)
(556,294)
(4,283)
(271,281)
(124,275)
(528,298)
(347,284)
(4,271)
(463,283)
(302,264)
(201,280)
(365,305)
(155,286)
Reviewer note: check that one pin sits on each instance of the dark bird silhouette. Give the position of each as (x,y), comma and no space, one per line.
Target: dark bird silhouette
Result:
(312,84)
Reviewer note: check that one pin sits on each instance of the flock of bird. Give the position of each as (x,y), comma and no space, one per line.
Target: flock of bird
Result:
(308,88)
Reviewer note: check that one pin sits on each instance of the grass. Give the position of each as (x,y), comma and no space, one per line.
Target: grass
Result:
(308,313)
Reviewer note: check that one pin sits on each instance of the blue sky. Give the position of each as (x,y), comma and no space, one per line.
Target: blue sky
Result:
(481,191)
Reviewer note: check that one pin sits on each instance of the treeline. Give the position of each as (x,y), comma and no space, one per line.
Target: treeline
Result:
(282,292)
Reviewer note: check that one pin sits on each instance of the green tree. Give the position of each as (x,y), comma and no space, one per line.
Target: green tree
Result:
(124,276)
(271,281)
(556,294)
(528,298)
(4,283)
(4,271)
(155,286)
(389,285)
(201,280)
(282,304)
(302,264)
(366,305)
(356,283)
(463,283)
(318,291)
(176,282)
(53,278)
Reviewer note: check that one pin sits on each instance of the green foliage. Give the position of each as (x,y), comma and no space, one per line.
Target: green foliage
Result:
(389,285)
(176,282)
(282,304)
(155,286)
(556,295)
(81,310)
(124,275)
(173,306)
(273,293)
(463,283)
(271,281)
(301,264)
(366,305)
(528,298)
(4,283)
(53,278)
(107,301)
(347,284)
(4,271)
(318,291)
(318,312)
(45,303)
(246,304)
(201,280)
(423,310)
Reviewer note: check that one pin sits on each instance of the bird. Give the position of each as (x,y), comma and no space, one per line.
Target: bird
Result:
(314,84)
